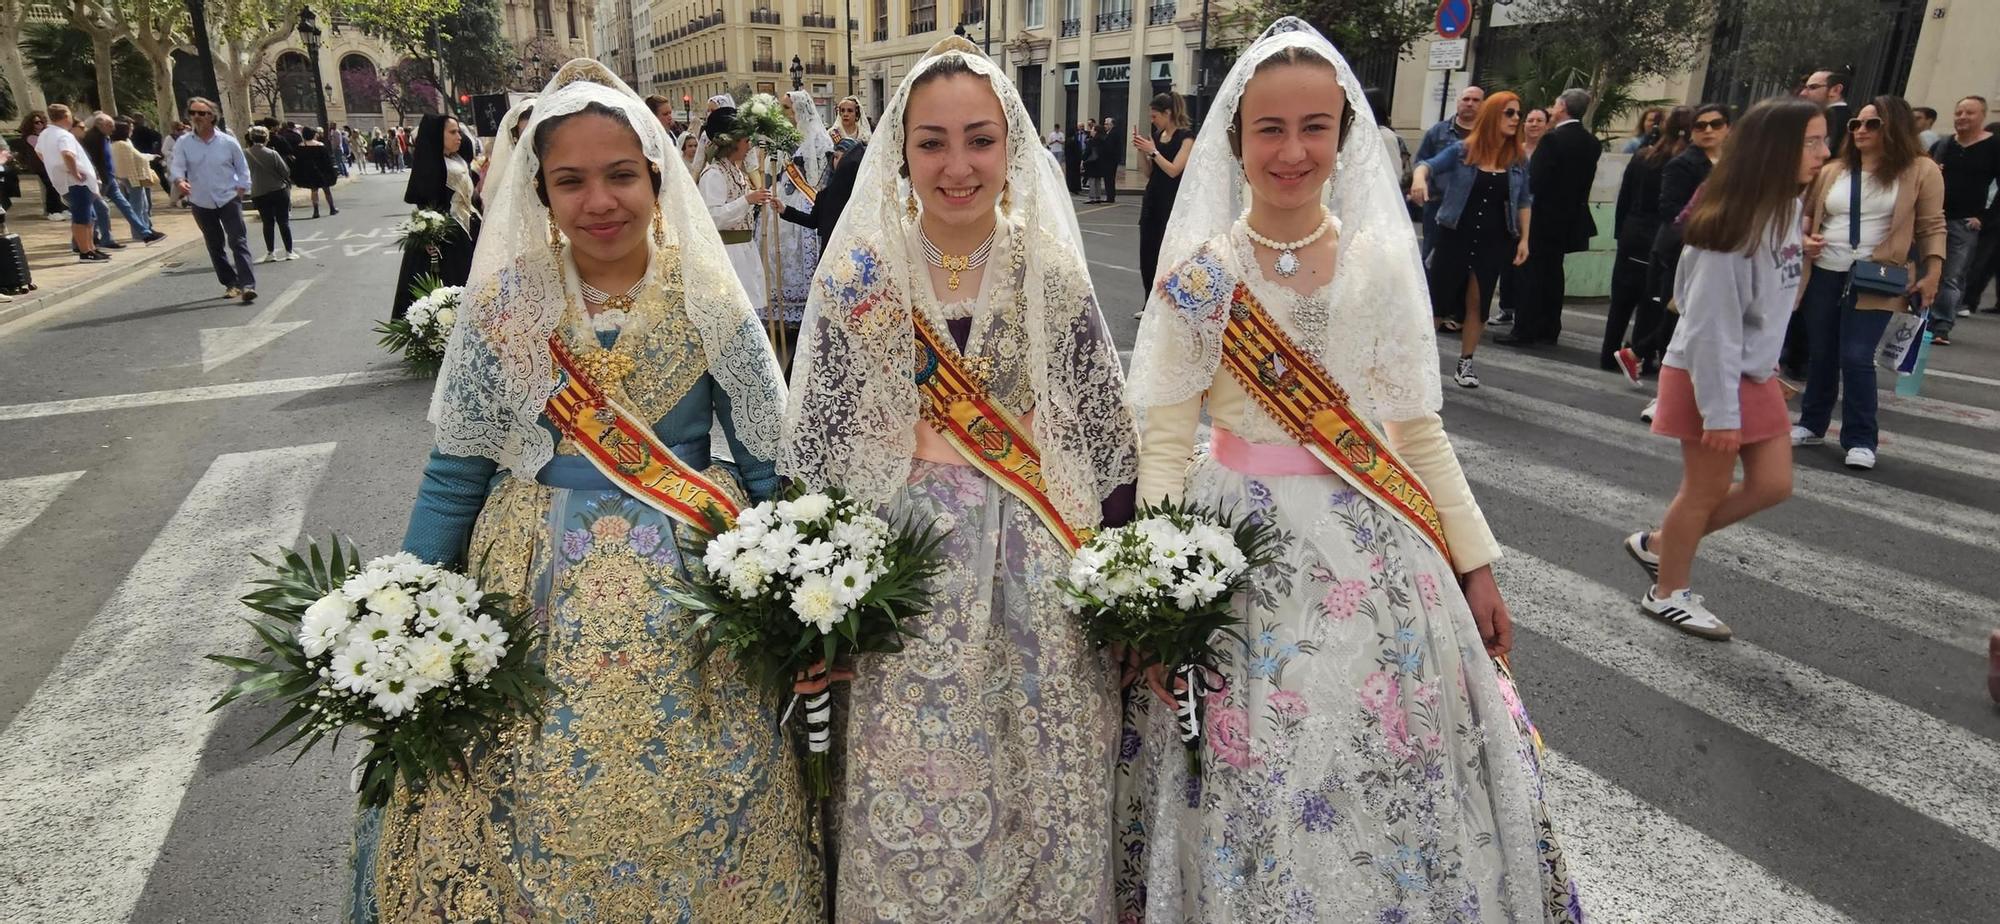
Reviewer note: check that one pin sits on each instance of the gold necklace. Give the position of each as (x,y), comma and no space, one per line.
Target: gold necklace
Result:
(953,264)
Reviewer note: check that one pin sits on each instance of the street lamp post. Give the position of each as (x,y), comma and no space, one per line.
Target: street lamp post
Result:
(798,74)
(852,27)
(309,31)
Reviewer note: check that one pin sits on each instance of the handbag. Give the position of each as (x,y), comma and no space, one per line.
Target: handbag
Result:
(1868,277)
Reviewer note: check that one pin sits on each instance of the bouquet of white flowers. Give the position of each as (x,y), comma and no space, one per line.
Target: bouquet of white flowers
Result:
(421,333)
(1161,587)
(424,228)
(763,122)
(806,583)
(418,657)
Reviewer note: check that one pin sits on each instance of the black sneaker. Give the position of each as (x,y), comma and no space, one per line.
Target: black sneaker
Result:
(95,256)
(111,245)
(154,237)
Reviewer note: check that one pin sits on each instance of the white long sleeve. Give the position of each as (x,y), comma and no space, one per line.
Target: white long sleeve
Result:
(729,214)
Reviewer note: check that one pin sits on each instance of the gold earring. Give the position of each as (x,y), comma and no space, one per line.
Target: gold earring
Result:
(555,237)
(910,206)
(659,227)
(1007,198)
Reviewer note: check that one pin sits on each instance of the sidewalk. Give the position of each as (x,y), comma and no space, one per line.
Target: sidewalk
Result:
(60,275)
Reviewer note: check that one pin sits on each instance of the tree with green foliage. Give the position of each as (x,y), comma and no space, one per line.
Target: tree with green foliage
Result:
(474,48)
(65,61)
(1773,44)
(1360,29)
(1621,41)
(155,27)
(243,32)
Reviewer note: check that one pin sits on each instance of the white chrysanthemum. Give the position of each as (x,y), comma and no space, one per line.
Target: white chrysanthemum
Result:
(391,561)
(721,552)
(430,658)
(810,508)
(813,556)
(380,629)
(324,623)
(365,582)
(355,667)
(746,576)
(445,318)
(395,695)
(852,579)
(774,551)
(393,601)
(815,603)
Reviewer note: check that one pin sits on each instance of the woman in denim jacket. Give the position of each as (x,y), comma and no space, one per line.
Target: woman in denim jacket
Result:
(1482,220)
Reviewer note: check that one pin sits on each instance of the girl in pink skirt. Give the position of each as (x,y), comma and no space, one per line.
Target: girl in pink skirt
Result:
(1737,285)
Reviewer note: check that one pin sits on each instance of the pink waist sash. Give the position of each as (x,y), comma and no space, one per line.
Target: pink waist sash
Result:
(1240,455)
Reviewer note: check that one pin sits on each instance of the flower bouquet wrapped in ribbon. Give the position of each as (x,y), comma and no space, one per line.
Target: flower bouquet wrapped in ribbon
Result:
(800,585)
(425,228)
(762,120)
(421,333)
(1161,586)
(417,658)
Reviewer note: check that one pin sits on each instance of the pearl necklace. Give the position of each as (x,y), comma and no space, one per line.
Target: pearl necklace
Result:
(1288,257)
(953,265)
(597,296)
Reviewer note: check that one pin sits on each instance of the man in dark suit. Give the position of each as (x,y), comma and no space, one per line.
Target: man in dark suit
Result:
(1559,178)
(1110,156)
(1829,88)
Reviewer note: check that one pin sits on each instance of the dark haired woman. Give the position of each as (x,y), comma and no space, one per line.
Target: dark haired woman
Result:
(1653,325)
(314,169)
(441,180)
(1636,224)
(653,787)
(1482,224)
(1737,285)
(1163,156)
(1900,194)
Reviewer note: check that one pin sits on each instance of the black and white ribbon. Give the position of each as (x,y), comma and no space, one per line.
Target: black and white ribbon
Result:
(819,716)
(1188,694)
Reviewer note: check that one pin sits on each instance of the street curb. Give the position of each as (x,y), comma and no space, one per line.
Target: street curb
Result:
(32,303)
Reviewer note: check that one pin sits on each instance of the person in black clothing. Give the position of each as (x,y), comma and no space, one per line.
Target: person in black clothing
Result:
(1636,225)
(442,181)
(1165,155)
(1110,156)
(1970,159)
(832,199)
(313,169)
(1653,328)
(1074,142)
(1093,191)
(1559,178)
(1829,88)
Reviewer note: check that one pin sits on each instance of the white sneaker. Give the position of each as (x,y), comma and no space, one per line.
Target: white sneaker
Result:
(1465,377)
(1804,437)
(232,292)
(1859,458)
(1642,552)
(1651,407)
(294,255)
(270,256)
(1683,610)
(59,216)
(1965,312)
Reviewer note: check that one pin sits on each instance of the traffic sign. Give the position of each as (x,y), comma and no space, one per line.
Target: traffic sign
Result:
(1454,17)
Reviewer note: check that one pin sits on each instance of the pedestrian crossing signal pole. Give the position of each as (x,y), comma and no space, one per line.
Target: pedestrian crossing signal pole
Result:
(1453,18)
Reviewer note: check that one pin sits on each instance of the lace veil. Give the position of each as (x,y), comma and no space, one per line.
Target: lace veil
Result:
(860,118)
(853,414)
(815,144)
(498,375)
(1375,338)
(503,148)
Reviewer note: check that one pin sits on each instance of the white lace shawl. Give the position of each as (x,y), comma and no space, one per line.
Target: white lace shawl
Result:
(864,132)
(498,374)
(853,414)
(1375,338)
(814,144)
(492,182)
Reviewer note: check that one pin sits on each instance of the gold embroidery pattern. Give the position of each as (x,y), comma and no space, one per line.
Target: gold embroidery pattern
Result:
(656,789)
(979,759)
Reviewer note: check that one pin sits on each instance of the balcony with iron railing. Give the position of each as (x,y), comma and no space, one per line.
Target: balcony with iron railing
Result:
(767,17)
(822,68)
(819,21)
(1160,14)
(1114,21)
(923,26)
(881,33)
(767,66)
(1072,28)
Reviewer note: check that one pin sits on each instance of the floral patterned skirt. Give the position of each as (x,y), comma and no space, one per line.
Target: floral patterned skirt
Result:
(655,789)
(1361,763)
(977,780)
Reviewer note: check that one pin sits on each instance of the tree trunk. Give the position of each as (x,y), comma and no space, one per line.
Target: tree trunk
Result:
(100,45)
(14,69)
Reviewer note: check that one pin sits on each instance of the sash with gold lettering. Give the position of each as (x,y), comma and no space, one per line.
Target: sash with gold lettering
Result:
(986,434)
(799,179)
(624,448)
(1290,385)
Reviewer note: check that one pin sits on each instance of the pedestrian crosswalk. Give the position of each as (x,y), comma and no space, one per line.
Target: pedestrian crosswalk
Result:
(1813,753)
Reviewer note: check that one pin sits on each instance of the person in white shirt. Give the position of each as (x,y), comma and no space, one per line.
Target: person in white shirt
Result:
(72,175)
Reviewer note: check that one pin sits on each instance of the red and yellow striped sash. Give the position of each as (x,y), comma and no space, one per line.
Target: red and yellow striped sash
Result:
(799,179)
(991,438)
(624,448)
(1290,385)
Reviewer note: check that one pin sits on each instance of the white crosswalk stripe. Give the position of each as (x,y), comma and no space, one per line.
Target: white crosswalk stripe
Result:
(22,500)
(93,768)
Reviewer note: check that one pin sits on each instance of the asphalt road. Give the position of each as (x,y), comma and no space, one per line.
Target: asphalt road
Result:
(1838,762)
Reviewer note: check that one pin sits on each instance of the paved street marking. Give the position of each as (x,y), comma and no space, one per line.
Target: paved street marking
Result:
(1637,864)
(93,768)
(223,345)
(24,499)
(351,233)
(1891,595)
(71,304)
(1903,754)
(1122,269)
(355,250)
(1908,509)
(198,393)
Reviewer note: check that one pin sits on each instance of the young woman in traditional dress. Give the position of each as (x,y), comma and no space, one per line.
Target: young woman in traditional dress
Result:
(955,303)
(440,180)
(732,202)
(656,787)
(1360,760)
(798,184)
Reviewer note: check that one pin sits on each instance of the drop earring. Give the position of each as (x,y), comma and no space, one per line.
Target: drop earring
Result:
(910,206)
(555,238)
(1007,199)
(659,228)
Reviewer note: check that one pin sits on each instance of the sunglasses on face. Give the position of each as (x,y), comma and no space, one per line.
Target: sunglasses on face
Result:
(1709,125)
(1873,125)
(1511,113)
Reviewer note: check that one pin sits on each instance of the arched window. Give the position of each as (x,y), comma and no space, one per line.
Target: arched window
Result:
(570,9)
(296,82)
(360,85)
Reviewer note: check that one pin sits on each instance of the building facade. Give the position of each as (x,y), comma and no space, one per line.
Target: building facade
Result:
(690,50)
(1071,60)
